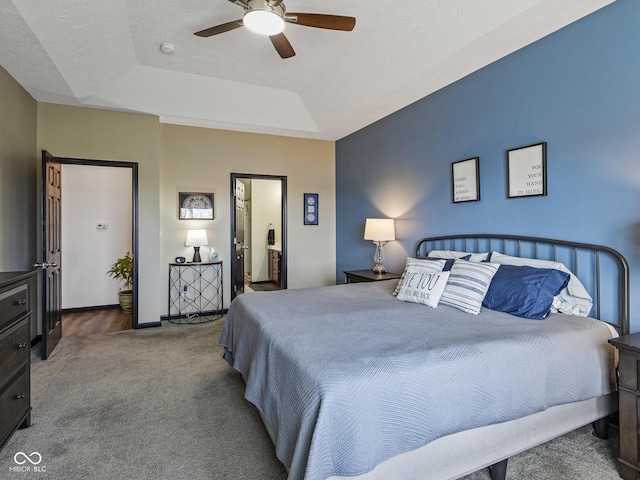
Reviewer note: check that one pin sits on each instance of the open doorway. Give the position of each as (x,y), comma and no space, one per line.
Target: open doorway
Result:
(78,237)
(258,233)
(96,231)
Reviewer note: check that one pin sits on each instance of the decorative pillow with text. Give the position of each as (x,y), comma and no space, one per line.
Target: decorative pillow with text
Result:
(430,265)
(423,286)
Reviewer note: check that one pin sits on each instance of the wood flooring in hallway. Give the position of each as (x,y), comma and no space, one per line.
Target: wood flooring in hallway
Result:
(95,321)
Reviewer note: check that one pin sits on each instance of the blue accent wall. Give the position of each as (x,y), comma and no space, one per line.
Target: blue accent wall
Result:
(577,89)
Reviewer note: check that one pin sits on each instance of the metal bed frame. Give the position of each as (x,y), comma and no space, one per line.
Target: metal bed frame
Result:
(575,255)
(605,274)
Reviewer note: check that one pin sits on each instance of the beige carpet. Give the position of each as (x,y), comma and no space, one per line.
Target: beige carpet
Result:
(162,404)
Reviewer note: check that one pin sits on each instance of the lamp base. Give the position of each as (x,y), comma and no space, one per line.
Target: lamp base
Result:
(379,257)
(379,269)
(196,255)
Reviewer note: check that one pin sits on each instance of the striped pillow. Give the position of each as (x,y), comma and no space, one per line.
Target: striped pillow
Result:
(430,265)
(467,285)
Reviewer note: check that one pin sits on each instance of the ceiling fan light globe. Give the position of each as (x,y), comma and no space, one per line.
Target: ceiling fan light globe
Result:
(263,22)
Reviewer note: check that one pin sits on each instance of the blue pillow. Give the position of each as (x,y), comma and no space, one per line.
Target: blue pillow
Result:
(524,291)
(448,262)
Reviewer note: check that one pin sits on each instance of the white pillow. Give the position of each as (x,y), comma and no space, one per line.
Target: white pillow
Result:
(430,265)
(573,300)
(468,284)
(475,257)
(423,286)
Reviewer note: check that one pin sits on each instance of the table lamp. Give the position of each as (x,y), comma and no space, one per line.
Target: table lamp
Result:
(196,239)
(380,230)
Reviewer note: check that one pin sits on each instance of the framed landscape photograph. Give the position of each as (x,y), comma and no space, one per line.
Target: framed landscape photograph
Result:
(465,180)
(195,206)
(527,171)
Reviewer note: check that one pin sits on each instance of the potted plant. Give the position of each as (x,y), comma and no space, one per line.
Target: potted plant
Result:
(123,269)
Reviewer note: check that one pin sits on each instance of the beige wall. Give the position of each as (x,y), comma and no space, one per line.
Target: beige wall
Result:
(18,198)
(173,159)
(201,160)
(93,134)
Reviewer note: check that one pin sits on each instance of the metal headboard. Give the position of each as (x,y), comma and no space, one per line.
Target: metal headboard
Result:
(599,268)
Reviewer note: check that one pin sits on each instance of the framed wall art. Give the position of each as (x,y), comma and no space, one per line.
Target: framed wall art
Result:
(465,180)
(311,209)
(527,171)
(195,206)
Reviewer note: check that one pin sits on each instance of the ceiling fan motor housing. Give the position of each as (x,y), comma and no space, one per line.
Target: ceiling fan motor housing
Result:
(269,5)
(263,17)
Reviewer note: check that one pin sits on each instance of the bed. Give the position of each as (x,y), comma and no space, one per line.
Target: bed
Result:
(352,383)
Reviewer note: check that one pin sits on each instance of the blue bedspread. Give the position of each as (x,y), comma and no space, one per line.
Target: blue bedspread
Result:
(348,377)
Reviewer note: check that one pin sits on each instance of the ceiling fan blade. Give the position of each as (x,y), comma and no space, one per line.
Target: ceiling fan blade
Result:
(225,27)
(318,20)
(282,45)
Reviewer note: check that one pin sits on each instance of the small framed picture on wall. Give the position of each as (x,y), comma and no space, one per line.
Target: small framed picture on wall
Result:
(527,171)
(465,180)
(311,209)
(195,206)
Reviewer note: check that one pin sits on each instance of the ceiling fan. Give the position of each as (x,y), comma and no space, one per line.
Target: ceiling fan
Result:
(268,17)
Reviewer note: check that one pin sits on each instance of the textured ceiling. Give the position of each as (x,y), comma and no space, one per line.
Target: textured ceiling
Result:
(107,55)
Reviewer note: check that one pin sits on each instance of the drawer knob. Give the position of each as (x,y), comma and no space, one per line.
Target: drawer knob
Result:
(21,302)
(22,345)
(20,397)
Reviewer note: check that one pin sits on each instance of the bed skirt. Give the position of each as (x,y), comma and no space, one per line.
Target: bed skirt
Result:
(462,453)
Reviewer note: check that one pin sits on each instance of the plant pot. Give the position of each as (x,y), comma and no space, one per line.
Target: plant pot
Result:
(126,300)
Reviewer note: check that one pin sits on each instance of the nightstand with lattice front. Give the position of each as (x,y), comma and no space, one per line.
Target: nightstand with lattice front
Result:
(195,292)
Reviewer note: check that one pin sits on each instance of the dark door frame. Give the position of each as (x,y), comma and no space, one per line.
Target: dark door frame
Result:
(134,216)
(283,220)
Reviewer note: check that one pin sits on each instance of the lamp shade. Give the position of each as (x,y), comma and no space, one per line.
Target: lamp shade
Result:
(379,229)
(196,238)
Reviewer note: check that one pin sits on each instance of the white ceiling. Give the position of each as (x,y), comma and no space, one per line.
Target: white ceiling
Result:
(106,54)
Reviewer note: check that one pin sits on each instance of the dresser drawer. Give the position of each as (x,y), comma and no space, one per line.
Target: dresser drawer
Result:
(275,266)
(13,304)
(629,369)
(14,402)
(14,349)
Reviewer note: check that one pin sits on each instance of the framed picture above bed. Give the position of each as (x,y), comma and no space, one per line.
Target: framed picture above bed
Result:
(527,171)
(195,206)
(465,180)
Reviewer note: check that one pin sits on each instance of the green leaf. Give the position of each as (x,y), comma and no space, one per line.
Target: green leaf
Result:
(123,269)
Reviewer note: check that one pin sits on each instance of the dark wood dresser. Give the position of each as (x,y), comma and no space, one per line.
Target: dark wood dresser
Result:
(15,352)
(629,398)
